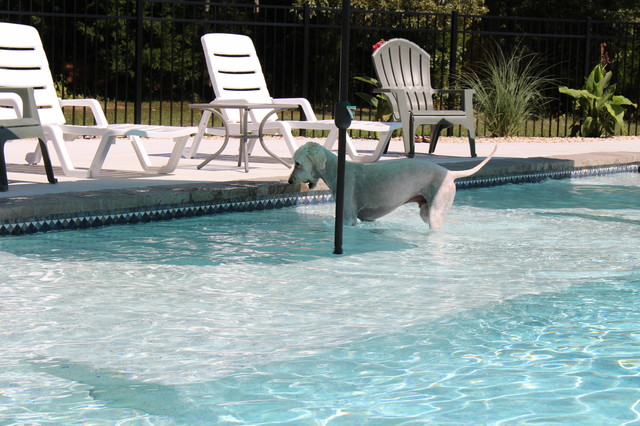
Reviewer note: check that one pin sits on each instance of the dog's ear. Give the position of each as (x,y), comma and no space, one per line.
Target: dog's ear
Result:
(317,156)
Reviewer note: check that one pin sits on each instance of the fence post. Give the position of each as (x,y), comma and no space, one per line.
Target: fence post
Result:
(453,60)
(305,57)
(587,47)
(137,110)
(453,49)
(305,51)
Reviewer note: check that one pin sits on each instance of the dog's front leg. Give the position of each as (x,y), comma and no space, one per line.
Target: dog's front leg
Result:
(351,221)
(350,210)
(349,214)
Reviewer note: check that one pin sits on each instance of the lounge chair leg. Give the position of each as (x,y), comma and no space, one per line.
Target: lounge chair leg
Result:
(101,154)
(33,158)
(332,138)
(202,128)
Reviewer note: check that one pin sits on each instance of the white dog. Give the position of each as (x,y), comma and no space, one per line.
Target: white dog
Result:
(374,190)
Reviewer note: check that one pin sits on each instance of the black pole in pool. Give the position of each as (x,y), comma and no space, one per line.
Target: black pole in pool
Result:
(343,116)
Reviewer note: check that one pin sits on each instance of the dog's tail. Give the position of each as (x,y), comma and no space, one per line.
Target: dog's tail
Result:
(457,174)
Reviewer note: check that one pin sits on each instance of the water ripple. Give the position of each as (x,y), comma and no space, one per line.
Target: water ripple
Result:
(520,310)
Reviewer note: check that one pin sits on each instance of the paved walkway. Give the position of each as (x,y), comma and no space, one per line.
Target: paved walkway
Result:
(123,186)
(123,171)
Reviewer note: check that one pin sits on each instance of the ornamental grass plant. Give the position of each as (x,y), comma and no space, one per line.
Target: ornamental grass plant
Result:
(510,89)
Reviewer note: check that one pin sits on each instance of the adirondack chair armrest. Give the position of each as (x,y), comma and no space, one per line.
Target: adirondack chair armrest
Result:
(467,96)
(21,99)
(12,100)
(92,104)
(399,101)
(399,91)
(472,91)
(391,90)
(304,104)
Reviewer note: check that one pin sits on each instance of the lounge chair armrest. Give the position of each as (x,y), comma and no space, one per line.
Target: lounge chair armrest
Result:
(92,104)
(304,104)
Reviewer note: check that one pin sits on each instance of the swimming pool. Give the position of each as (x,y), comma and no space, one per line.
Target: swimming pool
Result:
(523,308)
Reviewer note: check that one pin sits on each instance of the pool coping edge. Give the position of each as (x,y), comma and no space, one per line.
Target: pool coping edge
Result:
(71,211)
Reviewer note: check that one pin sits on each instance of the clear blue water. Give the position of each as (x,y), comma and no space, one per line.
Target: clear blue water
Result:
(523,309)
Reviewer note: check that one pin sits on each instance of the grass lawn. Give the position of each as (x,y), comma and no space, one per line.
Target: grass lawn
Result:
(179,114)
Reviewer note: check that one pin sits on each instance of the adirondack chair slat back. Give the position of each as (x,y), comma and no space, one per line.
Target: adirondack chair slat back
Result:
(235,72)
(23,63)
(404,65)
(404,71)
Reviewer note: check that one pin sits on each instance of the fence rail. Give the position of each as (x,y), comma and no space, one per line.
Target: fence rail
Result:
(144,61)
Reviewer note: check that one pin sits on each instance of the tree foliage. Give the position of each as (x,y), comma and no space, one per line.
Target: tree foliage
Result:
(624,10)
(164,39)
(470,7)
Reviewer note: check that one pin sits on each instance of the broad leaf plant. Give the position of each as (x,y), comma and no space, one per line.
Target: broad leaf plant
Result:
(601,109)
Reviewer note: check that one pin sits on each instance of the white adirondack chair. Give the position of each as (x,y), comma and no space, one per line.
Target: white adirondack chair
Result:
(20,121)
(404,70)
(23,63)
(236,74)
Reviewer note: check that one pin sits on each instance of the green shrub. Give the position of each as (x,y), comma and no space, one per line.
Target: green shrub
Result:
(509,89)
(377,101)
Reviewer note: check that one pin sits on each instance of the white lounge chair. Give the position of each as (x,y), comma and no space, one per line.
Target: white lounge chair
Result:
(23,63)
(236,74)
(404,70)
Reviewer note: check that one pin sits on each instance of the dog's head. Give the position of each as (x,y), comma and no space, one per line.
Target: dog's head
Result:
(309,162)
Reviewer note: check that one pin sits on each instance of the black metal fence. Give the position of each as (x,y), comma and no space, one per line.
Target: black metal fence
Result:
(143,58)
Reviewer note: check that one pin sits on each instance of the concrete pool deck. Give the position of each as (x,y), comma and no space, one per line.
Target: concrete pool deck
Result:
(122,194)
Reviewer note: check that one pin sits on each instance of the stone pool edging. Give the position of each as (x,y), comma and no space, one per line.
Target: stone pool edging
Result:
(84,210)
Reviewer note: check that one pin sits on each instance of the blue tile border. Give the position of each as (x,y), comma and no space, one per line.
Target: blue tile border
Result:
(160,214)
(270,202)
(537,177)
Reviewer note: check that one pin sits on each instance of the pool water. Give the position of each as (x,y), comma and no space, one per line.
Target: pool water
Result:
(522,309)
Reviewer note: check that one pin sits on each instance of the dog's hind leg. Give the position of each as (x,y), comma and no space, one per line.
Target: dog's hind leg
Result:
(424,204)
(424,210)
(434,211)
